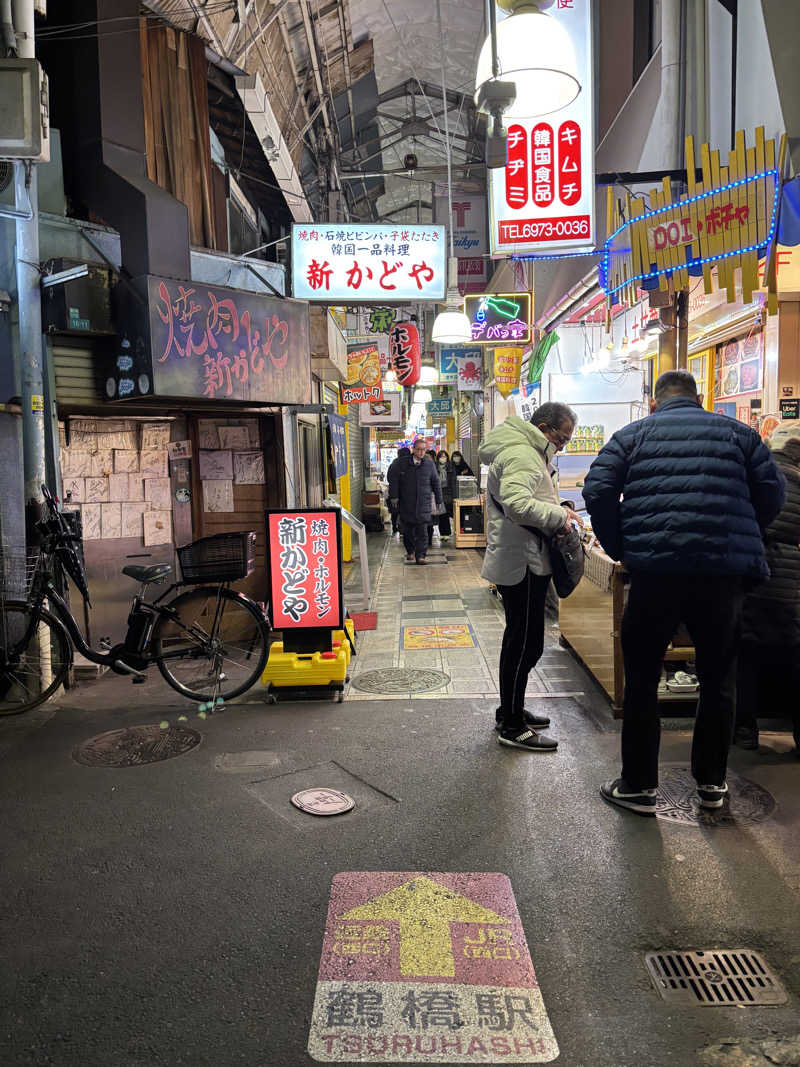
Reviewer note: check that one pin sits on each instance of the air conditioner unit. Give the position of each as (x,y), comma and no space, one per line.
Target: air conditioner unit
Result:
(24,111)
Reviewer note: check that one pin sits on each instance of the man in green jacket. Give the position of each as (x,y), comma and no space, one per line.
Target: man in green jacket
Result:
(521,493)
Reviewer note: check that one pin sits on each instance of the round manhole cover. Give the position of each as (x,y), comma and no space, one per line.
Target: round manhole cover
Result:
(323,801)
(677,800)
(400,680)
(135,746)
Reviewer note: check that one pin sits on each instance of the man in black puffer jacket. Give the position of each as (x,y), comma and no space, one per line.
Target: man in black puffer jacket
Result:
(681,498)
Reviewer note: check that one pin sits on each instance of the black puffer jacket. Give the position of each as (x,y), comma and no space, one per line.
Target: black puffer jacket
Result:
(772,610)
(416,487)
(697,489)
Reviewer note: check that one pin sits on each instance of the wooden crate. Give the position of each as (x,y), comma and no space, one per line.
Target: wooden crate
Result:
(468,540)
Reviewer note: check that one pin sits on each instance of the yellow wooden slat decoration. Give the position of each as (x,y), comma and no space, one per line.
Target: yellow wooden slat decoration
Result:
(739,197)
(760,184)
(665,220)
(751,265)
(772,261)
(694,189)
(705,241)
(639,208)
(658,254)
(716,240)
(725,177)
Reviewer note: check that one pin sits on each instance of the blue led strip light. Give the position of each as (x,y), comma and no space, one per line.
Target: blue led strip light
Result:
(606,264)
(564,255)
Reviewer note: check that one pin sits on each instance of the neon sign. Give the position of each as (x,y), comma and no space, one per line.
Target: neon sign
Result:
(498,317)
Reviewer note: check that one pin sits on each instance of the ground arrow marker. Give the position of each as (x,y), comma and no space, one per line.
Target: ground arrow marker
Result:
(424,909)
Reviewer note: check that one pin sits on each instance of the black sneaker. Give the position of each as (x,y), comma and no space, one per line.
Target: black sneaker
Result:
(529,739)
(536,722)
(617,791)
(712,796)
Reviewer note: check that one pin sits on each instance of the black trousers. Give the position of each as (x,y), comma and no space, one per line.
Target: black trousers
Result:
(711,608)
(444,525)
(523,642)
(756,661)
(415,539)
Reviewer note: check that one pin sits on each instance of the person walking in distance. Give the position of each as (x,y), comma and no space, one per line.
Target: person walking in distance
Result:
(682,497)
(520,494)
(444,468)
(402,455)
(414,485)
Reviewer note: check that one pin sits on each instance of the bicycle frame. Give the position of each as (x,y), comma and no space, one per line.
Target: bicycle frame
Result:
(43,589)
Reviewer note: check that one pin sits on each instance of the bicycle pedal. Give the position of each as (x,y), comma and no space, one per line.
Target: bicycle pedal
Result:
(138,679)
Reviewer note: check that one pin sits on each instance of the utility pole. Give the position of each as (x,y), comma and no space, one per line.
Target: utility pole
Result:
(29,300)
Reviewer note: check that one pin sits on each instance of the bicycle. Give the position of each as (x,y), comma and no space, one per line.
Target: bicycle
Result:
(210,643)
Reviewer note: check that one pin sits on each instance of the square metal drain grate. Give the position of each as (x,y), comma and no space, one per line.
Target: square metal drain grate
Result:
(714,977)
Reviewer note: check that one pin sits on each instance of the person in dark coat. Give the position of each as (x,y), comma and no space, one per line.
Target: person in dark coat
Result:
(402,454)
(444,468)
(681,497)
(771,618)
(414,485)
(461,468)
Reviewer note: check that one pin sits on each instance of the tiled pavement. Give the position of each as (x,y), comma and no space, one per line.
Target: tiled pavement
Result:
(448,593)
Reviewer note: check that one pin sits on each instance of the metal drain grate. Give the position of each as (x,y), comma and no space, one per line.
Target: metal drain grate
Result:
(136,746)
(400,680)
(714,977)
(747,801)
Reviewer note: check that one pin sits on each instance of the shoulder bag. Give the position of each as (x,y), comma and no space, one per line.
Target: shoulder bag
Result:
(566,555)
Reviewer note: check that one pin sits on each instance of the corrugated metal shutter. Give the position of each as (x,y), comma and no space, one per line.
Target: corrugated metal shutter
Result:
(355,436)
(79,377)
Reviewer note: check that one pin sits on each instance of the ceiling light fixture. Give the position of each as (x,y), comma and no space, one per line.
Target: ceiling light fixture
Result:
(451,326)
(421,397)
(534,51)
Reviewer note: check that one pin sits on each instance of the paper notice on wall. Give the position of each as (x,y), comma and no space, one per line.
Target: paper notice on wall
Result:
(248,468)
(155,435)
(234,437)
(132,525)
(157,494)
(101,463)
(126,461)
(77,463)
(135,488)
(207,436)
(215,465)
(74,490)
(84,426)
(121,439)
(91,522)
(117,488)
(157,527)
(111,521)
(153,463)
(179,450)
(251,425)
(97,490)
(218,495)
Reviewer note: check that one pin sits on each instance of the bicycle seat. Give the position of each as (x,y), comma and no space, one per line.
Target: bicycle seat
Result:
(145,575)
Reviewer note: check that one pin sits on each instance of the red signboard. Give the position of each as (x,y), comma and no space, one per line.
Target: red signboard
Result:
(404,352)
(305,573)
(569,163)
(543,151)
(517,167)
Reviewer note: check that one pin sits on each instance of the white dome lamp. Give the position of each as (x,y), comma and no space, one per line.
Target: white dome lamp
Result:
(535,52)
(451,326)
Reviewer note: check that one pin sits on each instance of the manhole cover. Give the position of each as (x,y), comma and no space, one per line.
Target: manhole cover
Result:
(715,976)
(400,680)
(677,800)
(323,801)
(135,746)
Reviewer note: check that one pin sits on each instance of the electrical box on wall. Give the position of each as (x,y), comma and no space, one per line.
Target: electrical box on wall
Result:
(79,305)
(24,111)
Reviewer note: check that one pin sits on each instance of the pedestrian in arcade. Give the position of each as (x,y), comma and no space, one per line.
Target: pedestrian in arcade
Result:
(414,486)
(771,618)
(521,493)
(461,469)
(402,454)
(444,468)
(681,497)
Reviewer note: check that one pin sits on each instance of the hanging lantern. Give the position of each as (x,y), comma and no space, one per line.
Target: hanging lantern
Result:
(404,352)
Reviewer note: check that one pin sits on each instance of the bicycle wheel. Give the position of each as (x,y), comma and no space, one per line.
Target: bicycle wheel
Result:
(31,670)
(216,644)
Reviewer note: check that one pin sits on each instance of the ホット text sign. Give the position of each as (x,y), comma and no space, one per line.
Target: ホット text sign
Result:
(305,574)
(427,968)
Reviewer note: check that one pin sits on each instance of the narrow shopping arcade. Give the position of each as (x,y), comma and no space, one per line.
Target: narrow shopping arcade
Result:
(175,912)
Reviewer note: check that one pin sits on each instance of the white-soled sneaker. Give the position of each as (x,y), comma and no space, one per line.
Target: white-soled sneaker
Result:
(528,739)
(642,801)
(712,796)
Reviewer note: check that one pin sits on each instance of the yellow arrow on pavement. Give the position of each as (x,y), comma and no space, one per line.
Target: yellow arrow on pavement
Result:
(424,910)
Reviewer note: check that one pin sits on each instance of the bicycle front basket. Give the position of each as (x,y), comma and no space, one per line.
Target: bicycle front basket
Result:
(224,557)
